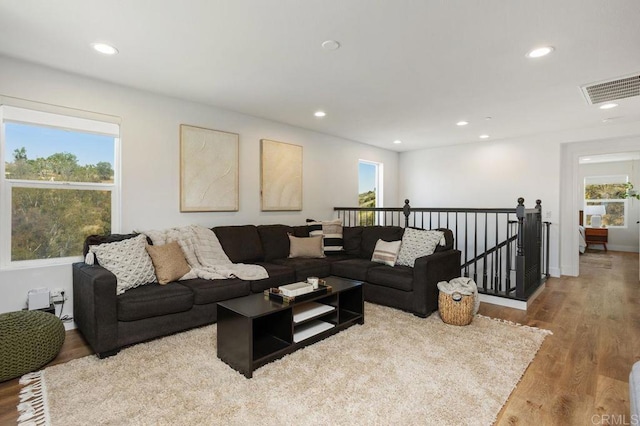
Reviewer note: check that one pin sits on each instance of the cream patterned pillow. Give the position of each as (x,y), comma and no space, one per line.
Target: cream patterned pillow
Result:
(417,243)
(386,252)
(128,260)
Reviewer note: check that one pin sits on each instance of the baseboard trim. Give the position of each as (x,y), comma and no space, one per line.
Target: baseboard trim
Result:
(511,303)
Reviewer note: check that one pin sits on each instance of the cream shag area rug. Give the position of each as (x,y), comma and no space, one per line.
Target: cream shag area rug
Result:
(395,369)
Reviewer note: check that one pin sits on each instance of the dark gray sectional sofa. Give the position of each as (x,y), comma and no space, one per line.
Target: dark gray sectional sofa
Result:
(110,322)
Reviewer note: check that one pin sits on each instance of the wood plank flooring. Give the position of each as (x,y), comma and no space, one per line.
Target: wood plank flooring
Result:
(580,375)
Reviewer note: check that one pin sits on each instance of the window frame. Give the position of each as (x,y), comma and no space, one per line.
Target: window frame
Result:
(605,180)
(66,119)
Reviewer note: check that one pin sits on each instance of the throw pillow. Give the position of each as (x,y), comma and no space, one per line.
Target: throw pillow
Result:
(128,261)
(417,243)
(330,231)
(305,246)
(386,252)
(169,262)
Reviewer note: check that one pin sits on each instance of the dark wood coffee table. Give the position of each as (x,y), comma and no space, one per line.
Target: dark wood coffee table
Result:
(254,330)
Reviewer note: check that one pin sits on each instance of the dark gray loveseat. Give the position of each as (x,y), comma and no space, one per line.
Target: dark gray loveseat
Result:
(110,322)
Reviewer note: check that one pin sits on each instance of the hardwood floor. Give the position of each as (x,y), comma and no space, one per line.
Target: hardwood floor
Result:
(580,375)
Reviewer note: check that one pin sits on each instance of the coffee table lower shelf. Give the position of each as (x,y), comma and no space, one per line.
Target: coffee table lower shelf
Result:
(253,331)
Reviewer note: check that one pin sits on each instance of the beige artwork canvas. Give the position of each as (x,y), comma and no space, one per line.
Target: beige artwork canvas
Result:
(208,170)
(281,176)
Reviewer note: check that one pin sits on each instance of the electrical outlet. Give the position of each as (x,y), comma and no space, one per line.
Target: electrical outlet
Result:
(57,295)
(548,215)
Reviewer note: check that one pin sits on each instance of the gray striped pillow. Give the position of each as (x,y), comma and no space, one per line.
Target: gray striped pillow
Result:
(386,252)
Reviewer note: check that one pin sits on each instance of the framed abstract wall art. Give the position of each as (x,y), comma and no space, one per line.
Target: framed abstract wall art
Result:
(208,170)
(281,176)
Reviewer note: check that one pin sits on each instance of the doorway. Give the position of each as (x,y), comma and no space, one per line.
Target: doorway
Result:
(571,201)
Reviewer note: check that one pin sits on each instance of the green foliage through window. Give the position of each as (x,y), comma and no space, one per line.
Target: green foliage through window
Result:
(612,196)
(60,178)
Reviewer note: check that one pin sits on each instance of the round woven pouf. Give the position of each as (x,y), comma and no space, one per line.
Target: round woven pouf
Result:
(28,340)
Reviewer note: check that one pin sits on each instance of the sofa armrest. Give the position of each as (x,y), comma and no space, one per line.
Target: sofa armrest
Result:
(428,271)
(95,306)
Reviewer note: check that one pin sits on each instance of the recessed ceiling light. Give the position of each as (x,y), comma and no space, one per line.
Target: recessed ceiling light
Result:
(330,45)
(397,141)
(483,136)
(586,159)
(462,123)
(540,52)
(608,106)
(104,48)
(320,113)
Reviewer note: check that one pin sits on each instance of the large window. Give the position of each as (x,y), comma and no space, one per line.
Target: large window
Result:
(59,184)
(608,192)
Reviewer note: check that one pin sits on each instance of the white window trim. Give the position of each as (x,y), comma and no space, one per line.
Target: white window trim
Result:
(67,120)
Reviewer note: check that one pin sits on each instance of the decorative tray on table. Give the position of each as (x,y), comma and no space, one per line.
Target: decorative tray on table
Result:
(277,295)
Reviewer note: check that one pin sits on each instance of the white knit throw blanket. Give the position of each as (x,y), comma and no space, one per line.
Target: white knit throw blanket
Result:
(205,255)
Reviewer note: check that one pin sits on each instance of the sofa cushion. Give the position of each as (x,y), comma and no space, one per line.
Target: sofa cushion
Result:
(386,252)
(211,291)
(275,241)
(330,231)
(417,243)
(352,239)
(154,300)
(355,269)
(241,243)
(398,277)
(94,240)
(168,261)
(278,275)
(448,238)
(371,235)
(310,247)
(306,267)
(128,260)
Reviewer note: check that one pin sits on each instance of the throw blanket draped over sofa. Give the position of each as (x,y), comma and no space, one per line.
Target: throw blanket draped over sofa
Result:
(232,261)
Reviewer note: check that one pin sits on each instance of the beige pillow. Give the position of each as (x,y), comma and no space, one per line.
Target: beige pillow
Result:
(305,246)
(169,262)
(386,252)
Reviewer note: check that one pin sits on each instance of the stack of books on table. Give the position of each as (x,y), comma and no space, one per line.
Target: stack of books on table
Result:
(296,289)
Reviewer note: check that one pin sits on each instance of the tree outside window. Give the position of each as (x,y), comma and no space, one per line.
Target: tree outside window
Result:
(608,191)
(60,182)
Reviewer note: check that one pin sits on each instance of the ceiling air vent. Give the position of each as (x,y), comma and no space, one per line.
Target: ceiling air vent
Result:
(612,90)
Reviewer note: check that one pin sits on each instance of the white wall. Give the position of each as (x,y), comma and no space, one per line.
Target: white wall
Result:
(150,162)
(487,175)
(621,239)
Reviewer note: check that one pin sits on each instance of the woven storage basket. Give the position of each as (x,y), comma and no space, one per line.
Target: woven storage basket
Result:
(456,312)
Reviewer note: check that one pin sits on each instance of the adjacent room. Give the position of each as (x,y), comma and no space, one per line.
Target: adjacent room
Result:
(337,212)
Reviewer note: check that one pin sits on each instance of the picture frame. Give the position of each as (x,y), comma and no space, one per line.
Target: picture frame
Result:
(209,163)
(281,176)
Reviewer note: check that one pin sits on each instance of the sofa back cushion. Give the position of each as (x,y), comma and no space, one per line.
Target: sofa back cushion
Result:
(241,243)
(448,236)
(352,240)
(371,235)
(95,240)
(275,239)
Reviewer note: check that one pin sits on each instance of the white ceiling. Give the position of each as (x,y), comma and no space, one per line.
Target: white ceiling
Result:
(406,69)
